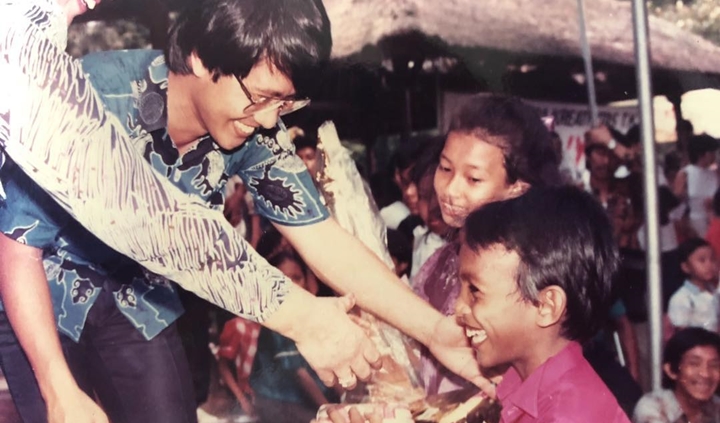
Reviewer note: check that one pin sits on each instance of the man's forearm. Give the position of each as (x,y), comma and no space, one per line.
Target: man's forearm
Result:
(349,267)
(26,297)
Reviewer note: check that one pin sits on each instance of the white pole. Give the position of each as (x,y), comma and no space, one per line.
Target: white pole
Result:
(587,58)
(647,131)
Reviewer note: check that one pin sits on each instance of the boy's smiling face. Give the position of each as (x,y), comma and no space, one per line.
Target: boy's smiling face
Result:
(698,375)
(498,322)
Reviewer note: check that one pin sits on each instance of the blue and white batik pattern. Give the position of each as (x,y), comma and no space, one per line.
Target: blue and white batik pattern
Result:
(61,135)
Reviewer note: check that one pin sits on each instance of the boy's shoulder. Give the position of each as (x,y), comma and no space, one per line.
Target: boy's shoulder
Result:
(563,389)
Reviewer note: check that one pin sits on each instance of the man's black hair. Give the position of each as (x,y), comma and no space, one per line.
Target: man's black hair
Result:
(563,237)
(232,36)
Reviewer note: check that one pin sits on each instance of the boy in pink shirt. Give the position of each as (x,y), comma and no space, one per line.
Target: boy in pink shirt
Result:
(537,273)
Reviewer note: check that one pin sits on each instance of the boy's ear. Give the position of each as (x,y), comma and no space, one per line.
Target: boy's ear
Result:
(518,188)
(668,371)
(197,66)
(552,303)
(684,267)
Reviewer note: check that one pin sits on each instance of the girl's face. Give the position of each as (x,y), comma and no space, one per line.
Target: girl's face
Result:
(698,373)
(471,174)
(294,272)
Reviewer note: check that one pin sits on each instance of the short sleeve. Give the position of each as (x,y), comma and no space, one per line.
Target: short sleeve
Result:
(280,185)
(679,309)
(28,214)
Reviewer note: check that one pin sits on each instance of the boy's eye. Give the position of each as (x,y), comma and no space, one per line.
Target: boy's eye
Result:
(442,168)
(474,180)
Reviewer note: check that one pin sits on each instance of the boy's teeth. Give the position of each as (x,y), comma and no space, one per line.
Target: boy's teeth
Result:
(476,335)
(90,4)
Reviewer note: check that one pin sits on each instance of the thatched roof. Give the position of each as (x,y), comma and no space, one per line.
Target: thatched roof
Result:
(535,27)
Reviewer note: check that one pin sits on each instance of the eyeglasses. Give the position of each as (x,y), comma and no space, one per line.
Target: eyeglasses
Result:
(286,106)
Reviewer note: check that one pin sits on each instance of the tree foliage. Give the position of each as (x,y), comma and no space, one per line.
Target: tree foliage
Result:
(118,34)
(699,16)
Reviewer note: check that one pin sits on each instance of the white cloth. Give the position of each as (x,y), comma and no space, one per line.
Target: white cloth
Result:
(394,214)
(663,407)
(692,307)
(701,186)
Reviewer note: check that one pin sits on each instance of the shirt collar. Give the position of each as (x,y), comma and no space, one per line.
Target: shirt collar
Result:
(694,289)
(153,110)
(152,99)
(526,394)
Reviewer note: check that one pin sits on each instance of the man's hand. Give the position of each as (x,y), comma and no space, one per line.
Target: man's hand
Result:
(74,406)
(338,349)
(451,347)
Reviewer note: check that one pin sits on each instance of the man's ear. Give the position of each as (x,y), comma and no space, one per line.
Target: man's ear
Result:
(197,66)
(552,302)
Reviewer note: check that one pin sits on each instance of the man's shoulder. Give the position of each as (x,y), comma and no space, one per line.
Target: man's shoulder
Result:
(110,71)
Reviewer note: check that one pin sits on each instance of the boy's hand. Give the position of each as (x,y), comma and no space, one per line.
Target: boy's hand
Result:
(341,414)
(451,347)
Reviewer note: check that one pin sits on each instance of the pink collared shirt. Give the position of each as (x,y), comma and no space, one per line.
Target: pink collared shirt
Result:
(564,389)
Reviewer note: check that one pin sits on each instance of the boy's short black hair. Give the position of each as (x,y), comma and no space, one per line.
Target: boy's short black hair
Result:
(518,130)
(689,246)
(563,237)
(305,141)
(232,36)
(681,342)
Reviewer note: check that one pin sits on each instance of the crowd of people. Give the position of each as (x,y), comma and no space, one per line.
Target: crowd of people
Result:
(515,280)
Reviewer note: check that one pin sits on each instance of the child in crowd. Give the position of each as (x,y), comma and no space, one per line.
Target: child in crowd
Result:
(698,181)
(496,148)
(394,192)
(539,270)
(430,236)
(285,388)
(713,232)
(306,149)
(691,374)
(694,303)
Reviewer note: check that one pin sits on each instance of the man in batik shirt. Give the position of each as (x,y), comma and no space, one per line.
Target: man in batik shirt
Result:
(205,83)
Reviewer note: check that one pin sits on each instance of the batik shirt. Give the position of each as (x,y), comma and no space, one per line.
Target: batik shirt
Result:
(132,85)
(663,407)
